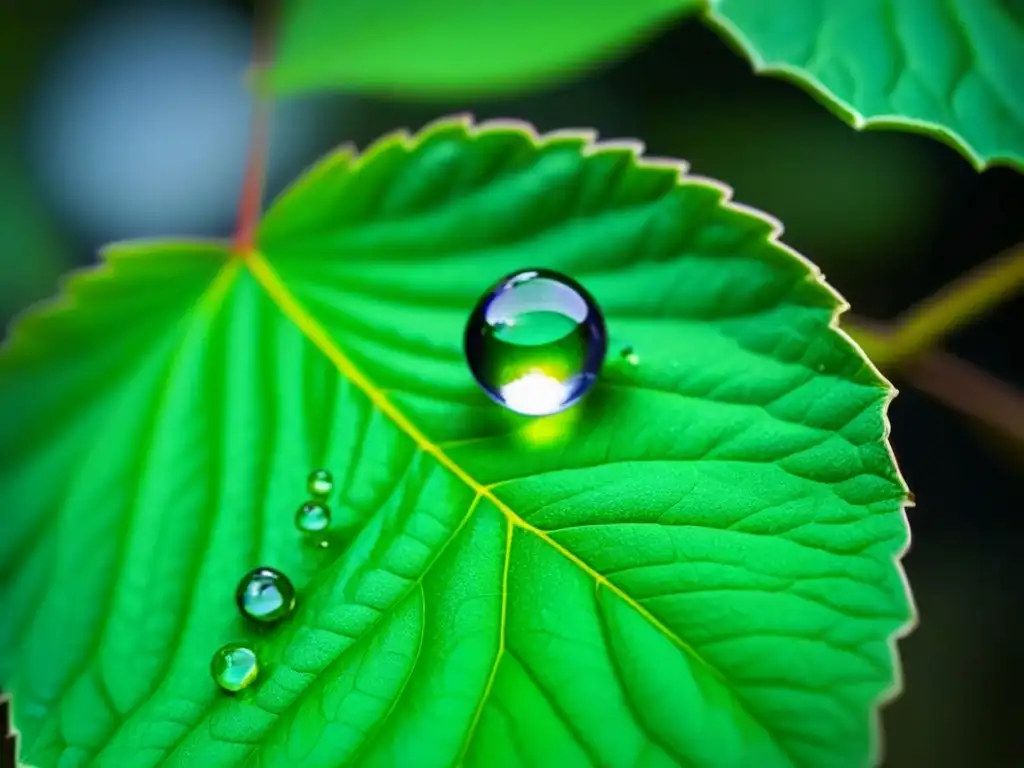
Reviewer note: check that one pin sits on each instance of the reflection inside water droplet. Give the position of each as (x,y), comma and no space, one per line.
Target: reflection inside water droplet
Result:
(234,667)
(265,595)
(535,342)
(313,517)
(320,483)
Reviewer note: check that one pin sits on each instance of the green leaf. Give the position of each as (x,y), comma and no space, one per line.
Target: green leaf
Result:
(951,68)
(456,47)
(697,565)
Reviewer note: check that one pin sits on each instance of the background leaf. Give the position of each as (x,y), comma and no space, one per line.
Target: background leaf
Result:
(695,566)
(951,69)
(450,47)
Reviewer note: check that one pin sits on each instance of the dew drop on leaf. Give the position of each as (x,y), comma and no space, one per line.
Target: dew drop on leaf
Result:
(320,483)
(234,667)
(629,356)
(313,516)
(265,595)
(535,342)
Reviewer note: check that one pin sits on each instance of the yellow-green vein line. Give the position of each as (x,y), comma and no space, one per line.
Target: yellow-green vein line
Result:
(294,310)
(500,652)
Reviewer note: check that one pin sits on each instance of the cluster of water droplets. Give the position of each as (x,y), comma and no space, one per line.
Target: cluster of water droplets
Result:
(266,596)
(313,516)
(535,342)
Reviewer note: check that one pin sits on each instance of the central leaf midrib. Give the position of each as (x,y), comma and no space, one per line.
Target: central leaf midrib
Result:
(279,294)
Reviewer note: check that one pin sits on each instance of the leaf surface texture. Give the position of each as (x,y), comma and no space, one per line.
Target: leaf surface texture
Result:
(950,68)
(696,566)
(456,47)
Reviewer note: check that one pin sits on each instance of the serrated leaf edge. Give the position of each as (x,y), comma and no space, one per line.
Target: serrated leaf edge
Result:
(279,293)
(843,109)
(22,327)
(20,336)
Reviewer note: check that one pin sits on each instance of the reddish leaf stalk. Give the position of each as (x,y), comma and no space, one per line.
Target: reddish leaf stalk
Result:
(251,199)
(250,202)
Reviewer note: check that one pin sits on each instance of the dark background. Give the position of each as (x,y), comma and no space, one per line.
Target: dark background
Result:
(123,119)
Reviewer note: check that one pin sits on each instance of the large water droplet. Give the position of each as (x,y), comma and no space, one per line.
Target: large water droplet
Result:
(234,667)
(535,342)
(320,483)
(313,517)
(265,595)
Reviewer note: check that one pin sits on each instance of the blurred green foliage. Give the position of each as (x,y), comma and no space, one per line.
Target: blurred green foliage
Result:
(951,70)
(467,47)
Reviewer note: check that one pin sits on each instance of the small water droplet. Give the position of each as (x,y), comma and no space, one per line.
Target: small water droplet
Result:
(629,355)
(234,667)
(320,483)
(312,517)
(535,342)
(265,595)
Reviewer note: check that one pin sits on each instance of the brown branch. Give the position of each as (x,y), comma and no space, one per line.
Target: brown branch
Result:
(956,383)
(969,390)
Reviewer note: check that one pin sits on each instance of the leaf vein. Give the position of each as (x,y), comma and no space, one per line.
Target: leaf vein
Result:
(500,652)
(570,728)
(627,695)
(291,307)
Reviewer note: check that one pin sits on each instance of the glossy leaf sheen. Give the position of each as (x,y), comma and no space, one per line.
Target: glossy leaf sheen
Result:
(695,566)
(455,47)
(952,68)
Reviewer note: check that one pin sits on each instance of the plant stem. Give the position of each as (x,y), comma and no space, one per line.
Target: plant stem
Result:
(905,345)
(955,305)
(251,200)
(957,384)
(969,390)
